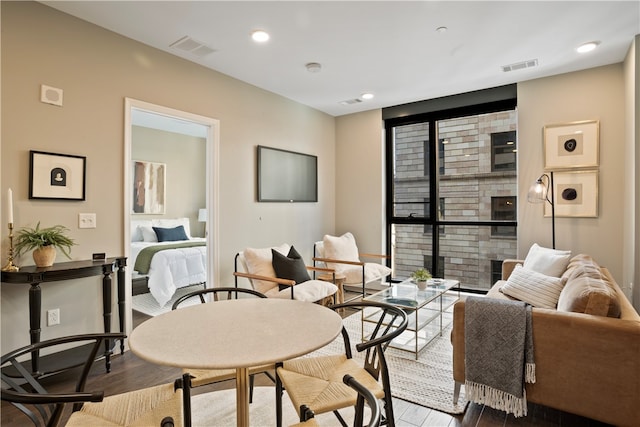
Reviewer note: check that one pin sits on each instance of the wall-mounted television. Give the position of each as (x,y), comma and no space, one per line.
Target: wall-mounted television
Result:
(286,176)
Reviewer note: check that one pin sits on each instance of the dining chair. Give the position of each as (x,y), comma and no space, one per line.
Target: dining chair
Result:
(316,381)
(341,254)
(280,272)
(152,406)
(364,395)
(201,377)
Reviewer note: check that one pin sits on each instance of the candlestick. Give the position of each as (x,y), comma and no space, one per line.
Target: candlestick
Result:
(10,206)
(10,265)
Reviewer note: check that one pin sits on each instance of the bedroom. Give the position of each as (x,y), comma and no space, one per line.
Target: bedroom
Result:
(175,155)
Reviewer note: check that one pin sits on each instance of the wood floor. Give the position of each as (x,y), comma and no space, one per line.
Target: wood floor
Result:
(131,373)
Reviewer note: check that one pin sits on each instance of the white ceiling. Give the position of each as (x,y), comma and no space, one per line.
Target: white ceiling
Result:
(389,48)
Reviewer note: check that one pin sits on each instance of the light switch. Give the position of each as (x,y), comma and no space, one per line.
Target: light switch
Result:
(87,220)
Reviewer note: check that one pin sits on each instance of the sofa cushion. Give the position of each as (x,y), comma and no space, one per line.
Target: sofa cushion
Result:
(550,262)
(534,288)
(589,295)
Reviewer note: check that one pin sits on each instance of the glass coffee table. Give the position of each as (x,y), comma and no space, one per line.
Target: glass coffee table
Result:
(424,307)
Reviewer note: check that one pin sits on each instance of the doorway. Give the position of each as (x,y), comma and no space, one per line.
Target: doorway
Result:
(164,119)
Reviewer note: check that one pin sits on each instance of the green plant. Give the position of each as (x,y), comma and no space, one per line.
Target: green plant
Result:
(36,238)
(421,274)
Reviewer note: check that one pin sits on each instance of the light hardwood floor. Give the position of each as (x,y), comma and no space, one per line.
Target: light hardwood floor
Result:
(131,373)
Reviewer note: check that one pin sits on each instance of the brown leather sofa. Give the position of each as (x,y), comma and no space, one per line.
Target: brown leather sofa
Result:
(586,364)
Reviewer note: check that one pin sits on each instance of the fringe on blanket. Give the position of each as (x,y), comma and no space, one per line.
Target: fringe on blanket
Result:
(497,399)
(530,373)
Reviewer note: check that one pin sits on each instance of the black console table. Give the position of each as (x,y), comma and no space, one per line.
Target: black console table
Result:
(34,276)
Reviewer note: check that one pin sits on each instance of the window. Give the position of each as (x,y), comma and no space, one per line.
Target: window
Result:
(477,141)
(496,270)
(503,209)
(503,151)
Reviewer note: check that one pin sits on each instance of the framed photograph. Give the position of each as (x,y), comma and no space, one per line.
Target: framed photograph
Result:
(571,145)
(575,194)
(56,176)
(149,187)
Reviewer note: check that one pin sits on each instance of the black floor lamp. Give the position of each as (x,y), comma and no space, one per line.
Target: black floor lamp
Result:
(538,193)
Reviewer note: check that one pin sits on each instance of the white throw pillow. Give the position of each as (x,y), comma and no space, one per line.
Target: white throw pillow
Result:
(534,288)
(259,261)
(550,262)
(340,248)
(148,235)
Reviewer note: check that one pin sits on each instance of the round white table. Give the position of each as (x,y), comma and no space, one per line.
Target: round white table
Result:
(235,334)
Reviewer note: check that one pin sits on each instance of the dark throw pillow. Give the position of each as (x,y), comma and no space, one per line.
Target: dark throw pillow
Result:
(290,267)
(170,234)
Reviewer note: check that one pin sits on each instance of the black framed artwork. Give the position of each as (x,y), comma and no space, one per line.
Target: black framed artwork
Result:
(286,176)
(56,176)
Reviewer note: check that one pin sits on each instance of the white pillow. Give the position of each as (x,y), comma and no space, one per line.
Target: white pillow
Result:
(533,288)
(550,262)
(340,248)
(259,261)
(136,231)
(148,235)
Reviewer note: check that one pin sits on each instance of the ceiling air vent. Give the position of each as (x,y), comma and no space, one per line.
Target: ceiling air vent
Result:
(350,101)
(187,44)
(520,65)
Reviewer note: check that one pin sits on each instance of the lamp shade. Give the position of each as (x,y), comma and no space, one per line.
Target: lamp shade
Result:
(537,192)
(202,215)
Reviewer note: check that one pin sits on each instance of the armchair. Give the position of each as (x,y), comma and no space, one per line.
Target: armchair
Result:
(280,272)
(341,255)
(159,405)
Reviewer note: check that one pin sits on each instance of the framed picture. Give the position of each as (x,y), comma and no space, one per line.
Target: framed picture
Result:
(575,194)
(571,145)
(149,187)
(56,176)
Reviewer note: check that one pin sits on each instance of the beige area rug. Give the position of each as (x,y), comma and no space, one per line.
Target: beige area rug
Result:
(427,381)
(147,304)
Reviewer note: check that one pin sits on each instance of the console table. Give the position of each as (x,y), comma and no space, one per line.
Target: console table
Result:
(35,276)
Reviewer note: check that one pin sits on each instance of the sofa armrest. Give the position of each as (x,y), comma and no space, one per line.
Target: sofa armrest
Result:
(508,265)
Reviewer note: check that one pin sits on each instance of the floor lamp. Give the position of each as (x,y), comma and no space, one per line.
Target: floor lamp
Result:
(538,193)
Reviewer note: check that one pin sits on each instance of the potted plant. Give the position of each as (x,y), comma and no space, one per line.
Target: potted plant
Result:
(44,242)
(421,276)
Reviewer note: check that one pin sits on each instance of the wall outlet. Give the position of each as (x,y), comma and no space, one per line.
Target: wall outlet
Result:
(53,317)
(87,220)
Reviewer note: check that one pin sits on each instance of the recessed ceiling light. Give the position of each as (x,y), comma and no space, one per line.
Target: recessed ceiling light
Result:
(313,67)
(367,96)
(441,29)
(260,36)
(587,47)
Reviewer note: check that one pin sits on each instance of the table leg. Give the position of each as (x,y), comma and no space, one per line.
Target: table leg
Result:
(121,299)
(35,306)
(106,314)
(242,397)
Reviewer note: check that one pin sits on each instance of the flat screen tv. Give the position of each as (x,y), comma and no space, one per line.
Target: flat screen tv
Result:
(286,176)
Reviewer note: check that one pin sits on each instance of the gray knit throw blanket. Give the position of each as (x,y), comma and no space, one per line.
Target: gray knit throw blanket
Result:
(498,353)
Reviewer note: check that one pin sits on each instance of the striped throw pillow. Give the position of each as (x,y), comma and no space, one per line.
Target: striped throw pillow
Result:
(534,288)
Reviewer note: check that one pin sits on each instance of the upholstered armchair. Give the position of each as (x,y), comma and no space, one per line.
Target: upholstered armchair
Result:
(280,272)
(341,254)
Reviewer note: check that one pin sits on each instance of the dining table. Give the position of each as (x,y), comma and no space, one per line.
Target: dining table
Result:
(235,334)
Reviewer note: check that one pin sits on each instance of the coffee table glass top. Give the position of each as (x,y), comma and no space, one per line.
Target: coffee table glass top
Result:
(407,295)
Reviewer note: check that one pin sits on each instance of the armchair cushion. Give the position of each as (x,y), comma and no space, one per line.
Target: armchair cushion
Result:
(372,271)
(259,262)
(534,288)
(343,248)
(290,266)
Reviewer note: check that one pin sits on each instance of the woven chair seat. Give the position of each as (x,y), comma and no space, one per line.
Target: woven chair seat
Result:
(317,382)
(137,408)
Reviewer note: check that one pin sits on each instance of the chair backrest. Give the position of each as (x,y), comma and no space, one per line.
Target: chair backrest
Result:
(23,388)
(387,322)
(366,395)
(216,294)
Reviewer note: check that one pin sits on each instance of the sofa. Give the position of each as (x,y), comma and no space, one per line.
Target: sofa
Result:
(586,347)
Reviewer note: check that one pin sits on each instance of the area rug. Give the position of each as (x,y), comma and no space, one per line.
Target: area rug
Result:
(427,381)
(147,304)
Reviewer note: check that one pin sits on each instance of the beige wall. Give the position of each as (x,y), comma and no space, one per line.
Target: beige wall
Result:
(184,156)
(97,69)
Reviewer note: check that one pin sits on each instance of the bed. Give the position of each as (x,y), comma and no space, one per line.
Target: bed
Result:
(164,253)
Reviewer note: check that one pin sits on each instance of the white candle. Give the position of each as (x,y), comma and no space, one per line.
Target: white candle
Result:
(10,206)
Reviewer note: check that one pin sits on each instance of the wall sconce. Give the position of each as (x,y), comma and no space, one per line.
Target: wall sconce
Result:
(538,193)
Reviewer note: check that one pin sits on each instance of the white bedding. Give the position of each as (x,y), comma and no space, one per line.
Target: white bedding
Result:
(173,268)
